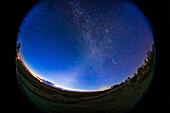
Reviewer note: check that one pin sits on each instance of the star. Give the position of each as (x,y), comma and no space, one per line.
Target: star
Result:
(89,44)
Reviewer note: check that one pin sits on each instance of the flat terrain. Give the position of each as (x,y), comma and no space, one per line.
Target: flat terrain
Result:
(53,100)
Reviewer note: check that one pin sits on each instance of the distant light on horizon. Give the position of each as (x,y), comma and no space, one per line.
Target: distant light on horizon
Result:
(76,50)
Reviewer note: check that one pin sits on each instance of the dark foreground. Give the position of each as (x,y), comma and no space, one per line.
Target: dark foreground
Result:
(52,100)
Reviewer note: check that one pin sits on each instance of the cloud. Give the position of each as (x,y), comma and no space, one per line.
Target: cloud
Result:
(66,80)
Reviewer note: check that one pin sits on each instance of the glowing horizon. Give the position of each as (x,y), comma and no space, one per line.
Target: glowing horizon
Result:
(76,50)
(36,76)
(54,85)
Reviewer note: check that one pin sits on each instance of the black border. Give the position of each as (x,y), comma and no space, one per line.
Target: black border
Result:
(155,100)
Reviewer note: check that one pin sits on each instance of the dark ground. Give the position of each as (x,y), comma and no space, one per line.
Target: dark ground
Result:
(96,102)
(156,100)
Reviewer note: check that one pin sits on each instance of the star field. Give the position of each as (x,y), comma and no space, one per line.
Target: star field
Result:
(85,45)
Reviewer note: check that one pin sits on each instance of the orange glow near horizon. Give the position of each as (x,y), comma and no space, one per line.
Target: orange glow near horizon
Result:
(56,86)
(23,64)
(78,90)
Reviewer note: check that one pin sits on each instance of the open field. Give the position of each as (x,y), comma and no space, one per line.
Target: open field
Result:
(53,100)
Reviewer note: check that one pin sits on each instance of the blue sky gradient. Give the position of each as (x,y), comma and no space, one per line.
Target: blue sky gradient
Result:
(84,45)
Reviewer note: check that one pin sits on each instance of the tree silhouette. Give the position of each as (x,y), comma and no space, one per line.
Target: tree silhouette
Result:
(145,69)
(18,47)
(142,72)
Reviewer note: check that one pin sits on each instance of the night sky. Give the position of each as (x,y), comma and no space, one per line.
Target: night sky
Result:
(84,45)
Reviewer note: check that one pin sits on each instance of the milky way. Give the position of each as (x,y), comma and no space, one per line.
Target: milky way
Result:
(85,45)
(98,44)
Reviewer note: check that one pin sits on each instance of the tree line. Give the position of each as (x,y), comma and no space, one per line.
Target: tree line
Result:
(142,72)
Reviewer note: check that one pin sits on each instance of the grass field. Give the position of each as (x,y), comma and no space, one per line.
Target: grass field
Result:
(52,100)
